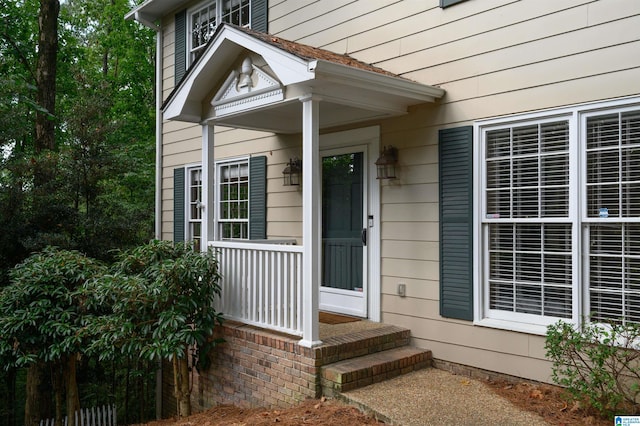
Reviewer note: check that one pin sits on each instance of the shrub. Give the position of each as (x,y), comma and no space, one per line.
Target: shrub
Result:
(598,364)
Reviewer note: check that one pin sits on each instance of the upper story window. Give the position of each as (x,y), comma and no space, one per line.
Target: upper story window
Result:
(204,19)
(194,27)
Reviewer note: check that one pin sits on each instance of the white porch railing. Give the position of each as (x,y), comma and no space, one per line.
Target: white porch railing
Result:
(261,284)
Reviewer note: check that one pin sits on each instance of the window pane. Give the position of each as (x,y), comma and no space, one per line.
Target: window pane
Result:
(525,140)
(528,237)
(603,201)
(557,302)
(606,239)
(555,137)
(236,12)
(557,238)
(498,143)
(530,268)
(525,203)
(603,131)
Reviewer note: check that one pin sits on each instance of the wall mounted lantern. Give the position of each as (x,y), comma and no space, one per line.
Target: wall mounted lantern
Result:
(386,163)
(293,172)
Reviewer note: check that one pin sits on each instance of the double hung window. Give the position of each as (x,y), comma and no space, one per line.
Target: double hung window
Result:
(194,206)
(233,200)
(560,218)
(204,19)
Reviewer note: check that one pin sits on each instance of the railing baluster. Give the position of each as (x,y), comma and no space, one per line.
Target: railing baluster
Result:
(261,284)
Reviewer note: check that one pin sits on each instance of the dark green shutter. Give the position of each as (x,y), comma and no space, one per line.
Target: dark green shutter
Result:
(178,204)
(180,59)
(259,16)
(456,222)
(447,3)
(258,198)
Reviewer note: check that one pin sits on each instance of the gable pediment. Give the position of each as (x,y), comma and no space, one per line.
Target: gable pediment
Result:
(245,88)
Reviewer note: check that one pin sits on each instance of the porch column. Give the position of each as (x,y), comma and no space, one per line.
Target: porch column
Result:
(311,221)
(208,176)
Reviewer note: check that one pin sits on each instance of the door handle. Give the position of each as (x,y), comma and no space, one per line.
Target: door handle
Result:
(364,236)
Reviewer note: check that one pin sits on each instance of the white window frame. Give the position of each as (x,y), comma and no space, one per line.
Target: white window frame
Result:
(576,117)
(219,165)
(219,18)
(191,204)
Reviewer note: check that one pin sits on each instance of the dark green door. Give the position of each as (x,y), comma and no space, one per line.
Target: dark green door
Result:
(342,221)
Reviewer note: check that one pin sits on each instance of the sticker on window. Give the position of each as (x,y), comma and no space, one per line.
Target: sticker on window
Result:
(493,215)
(604,212)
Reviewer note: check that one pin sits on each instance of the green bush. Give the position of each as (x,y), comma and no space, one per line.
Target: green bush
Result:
(598,364)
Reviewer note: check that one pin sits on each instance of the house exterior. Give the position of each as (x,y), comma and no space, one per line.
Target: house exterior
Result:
(516,201)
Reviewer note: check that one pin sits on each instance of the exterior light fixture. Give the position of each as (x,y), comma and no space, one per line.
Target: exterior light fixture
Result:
(293,172)
(386,163)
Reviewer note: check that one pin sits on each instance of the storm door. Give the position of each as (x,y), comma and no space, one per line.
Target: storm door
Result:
(344,234)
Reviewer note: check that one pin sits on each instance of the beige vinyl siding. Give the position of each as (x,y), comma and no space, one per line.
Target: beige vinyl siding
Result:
(493,57)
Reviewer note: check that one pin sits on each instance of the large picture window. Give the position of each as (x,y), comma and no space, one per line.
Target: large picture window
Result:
(560,218)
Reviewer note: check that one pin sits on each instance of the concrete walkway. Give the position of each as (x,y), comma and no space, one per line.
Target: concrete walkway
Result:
(437,397)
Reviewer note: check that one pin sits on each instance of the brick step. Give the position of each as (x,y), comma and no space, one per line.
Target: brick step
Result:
(365,342)
(358,372)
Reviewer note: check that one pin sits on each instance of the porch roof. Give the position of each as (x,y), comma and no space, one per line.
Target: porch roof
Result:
(284,73)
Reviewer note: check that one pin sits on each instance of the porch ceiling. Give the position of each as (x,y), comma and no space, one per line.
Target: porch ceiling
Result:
(349,91)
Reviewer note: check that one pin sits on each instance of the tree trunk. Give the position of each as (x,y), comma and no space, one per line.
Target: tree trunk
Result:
(46,74)
(181,384)
(73,398)
(32,406)
(58,391)
(10,379)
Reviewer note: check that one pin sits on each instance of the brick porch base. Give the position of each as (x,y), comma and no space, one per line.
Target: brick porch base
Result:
(260,368)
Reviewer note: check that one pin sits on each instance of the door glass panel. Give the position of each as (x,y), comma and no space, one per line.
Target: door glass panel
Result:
(342,213)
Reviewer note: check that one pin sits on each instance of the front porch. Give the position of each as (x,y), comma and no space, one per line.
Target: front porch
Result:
(255,81)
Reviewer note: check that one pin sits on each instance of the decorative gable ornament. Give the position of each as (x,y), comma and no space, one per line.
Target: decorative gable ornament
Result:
(248,88)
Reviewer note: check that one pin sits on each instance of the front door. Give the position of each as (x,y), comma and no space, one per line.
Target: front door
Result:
(344,239)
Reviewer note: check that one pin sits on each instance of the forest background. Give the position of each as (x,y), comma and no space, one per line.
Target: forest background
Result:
(76,163)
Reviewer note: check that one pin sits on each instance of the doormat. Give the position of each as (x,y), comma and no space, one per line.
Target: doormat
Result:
(330,318)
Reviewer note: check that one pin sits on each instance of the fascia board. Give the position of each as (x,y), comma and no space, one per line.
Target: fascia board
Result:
(153,10)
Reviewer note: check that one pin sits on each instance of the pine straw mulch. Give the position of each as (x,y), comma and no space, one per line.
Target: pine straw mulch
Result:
(547,401)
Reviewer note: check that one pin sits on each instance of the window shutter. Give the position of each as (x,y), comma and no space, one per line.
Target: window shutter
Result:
(258,198)
(180,59)
(259,17)
(456,222)
(178,204)
(447,3)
